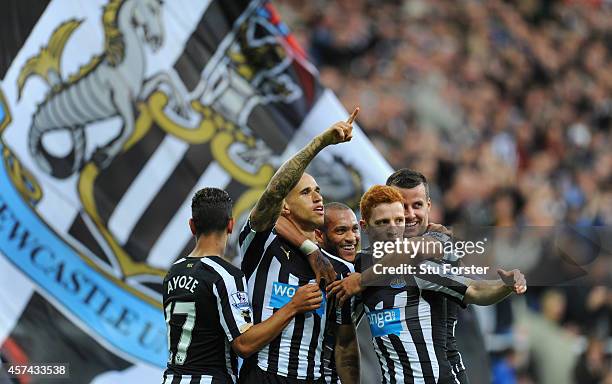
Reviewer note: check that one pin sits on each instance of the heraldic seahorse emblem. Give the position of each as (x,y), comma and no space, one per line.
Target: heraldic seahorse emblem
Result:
(106,87)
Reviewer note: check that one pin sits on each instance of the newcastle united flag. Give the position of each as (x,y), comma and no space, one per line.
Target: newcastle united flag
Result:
(112,114)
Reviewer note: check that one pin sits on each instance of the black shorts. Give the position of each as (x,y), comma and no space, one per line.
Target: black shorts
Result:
(252,374)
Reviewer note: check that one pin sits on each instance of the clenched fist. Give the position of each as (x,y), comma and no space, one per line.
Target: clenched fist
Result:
(307,298)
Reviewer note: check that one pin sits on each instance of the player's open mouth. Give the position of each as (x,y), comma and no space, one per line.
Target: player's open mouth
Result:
(319,210)
(348,248)
(413,224)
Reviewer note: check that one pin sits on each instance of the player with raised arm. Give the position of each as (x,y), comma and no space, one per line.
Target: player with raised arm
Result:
(275,268)
(339,235)
(206,304)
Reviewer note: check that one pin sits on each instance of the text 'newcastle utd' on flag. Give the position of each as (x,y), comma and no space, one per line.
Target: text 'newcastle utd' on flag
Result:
(112,114)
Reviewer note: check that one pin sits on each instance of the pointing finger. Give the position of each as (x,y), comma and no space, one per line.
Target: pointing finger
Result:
(353,116)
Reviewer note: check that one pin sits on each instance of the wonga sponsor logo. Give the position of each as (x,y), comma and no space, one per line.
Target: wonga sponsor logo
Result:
(282,294)
(385,322)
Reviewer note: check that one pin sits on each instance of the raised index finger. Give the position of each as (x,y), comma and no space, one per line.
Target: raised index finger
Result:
(353,116)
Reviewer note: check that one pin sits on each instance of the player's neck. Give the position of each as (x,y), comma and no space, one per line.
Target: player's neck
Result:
(209,245)
(306,229)
(309,234)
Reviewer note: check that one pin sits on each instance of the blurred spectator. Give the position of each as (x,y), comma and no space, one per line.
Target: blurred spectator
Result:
(551,347)
(504,368)
(592,365)
(500,96)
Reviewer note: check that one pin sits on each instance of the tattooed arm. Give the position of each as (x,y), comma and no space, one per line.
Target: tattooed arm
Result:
(268,207)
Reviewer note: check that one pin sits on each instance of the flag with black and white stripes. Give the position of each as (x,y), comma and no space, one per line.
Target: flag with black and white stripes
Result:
(112,113)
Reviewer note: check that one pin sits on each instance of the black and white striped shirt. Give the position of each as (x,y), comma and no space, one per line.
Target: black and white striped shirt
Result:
(408,324)
(206,306)
(452,349)
(336,317)
(274,270)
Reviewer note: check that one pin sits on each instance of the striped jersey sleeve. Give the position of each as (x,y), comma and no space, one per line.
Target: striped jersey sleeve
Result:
(357,304)
(452,286)
(343,268)
(344,314)
(233,305)
(251,247)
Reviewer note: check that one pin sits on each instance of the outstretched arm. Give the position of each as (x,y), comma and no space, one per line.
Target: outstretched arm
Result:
(479,292)
(488,292)
(268,207)
(464,290)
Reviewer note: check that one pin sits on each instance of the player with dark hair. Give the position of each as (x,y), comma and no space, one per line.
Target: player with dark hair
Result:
(339,235)
(339,238)
(416,215)
(275,268)
(406,180)
(206,304)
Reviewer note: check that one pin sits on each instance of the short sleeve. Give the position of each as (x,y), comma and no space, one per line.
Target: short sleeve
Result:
(341,315)
(252,245)
(235,313)
(344,314)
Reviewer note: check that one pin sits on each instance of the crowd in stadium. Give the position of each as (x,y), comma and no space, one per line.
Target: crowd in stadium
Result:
(507,109)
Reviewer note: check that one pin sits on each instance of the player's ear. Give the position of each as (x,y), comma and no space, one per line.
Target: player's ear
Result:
(363,224)
(428,204)
(192,226)
(285,210)
(230,225)
(319,236)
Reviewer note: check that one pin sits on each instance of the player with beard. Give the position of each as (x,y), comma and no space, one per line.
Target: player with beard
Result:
(407,316)
(414,189)
(275,268)
(339,239)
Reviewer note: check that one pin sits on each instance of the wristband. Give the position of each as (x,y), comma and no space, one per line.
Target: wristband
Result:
(308,247)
